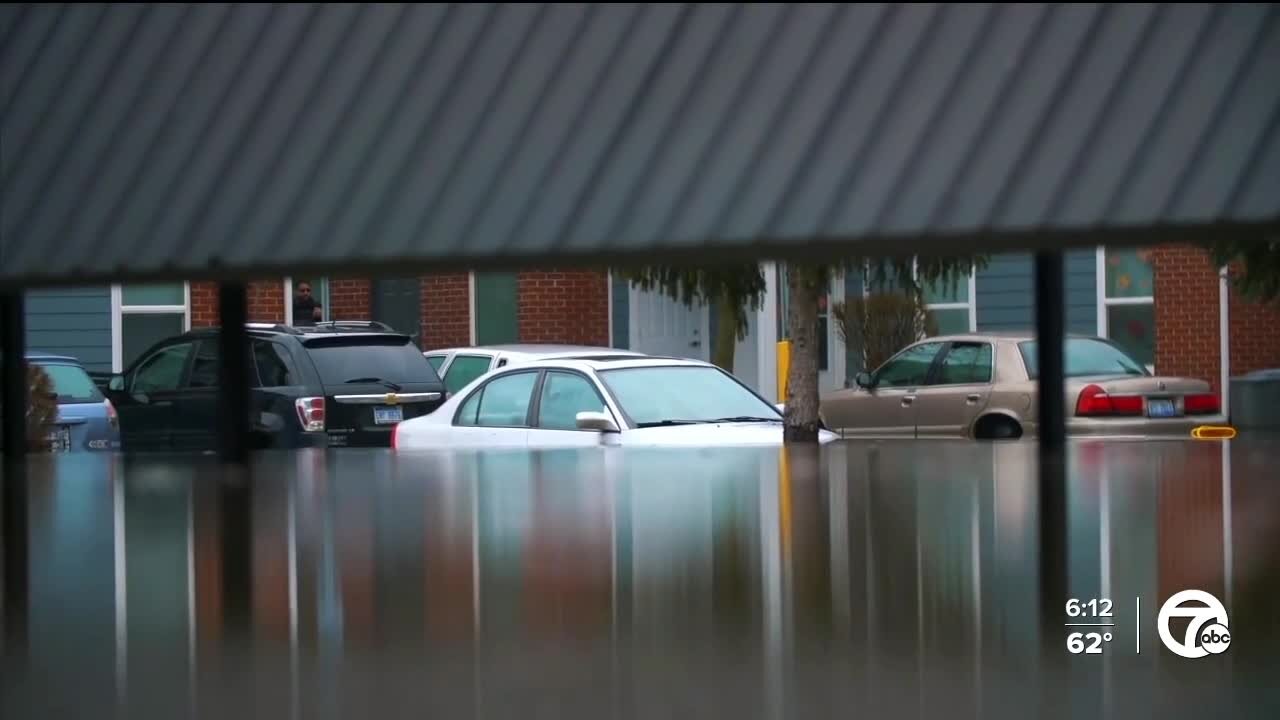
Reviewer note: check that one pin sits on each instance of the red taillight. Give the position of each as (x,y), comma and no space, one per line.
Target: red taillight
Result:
(1206,404)
(112,418)
(395,435)
(311,413)
(1095,402)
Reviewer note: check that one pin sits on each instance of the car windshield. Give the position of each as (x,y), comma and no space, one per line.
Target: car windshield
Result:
(71,383)
(683,393)
(1084,357)
(371,360)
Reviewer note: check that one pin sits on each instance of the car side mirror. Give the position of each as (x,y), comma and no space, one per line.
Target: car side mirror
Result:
(116,384)
(598,421)
(864,380)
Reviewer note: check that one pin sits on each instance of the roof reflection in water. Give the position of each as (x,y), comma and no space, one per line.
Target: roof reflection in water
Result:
(889,578)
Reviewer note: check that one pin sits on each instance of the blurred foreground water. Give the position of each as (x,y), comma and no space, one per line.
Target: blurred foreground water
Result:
(864,580)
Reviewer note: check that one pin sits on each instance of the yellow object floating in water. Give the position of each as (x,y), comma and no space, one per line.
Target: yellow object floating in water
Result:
(1213,432)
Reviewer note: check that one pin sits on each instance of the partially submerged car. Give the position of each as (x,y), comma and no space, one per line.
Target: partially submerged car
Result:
(983,385)
(609,400)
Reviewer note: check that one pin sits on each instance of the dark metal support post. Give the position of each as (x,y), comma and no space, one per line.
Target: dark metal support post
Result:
(13,501)
(14,399)
(1050,330)
(233,398)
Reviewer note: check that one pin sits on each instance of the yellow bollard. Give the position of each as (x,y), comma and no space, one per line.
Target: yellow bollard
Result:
(784,368)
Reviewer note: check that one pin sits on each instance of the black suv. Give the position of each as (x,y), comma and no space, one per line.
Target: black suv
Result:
(338,384)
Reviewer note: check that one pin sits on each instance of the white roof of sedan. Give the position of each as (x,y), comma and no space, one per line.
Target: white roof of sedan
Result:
(616,362)
(545,350)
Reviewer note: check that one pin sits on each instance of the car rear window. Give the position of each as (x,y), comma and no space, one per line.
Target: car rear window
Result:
(1084,357)
(394,359)
(71,383)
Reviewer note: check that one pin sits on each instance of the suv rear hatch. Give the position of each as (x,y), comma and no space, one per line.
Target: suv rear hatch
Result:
(371,382)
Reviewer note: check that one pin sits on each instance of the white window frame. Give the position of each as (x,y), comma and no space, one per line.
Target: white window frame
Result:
(288,299)
(119,310)
(1104,303)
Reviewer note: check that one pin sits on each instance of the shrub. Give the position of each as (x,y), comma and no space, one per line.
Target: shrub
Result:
(42,408)
(881,324)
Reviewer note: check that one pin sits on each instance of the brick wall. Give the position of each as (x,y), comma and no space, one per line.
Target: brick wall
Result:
(446,310)
(265,297)
(564,306)
(1255,335)
(1187,319)
(350,299)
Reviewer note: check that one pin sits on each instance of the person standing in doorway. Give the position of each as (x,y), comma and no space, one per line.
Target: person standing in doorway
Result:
(306,310)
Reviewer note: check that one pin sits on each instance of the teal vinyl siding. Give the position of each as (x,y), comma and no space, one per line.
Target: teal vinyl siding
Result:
(622,313)
(71,321)
(1006,292)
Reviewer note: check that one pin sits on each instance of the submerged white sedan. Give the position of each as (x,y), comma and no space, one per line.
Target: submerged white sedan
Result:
(586,402)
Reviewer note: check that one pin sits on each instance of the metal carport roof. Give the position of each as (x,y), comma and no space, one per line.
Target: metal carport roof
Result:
(148,141)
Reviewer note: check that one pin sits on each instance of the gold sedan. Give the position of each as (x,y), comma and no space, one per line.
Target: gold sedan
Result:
(984,386)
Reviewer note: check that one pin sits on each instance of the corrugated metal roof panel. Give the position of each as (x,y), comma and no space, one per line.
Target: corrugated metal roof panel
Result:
(150,140)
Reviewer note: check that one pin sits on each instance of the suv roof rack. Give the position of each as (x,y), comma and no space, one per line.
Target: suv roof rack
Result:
(341,325)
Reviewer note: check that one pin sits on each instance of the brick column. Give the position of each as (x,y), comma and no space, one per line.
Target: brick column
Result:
(564,306)
(1186,309)
(350,299)
(204,304)
(446,310)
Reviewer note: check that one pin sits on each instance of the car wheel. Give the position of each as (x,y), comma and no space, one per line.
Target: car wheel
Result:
(998,427)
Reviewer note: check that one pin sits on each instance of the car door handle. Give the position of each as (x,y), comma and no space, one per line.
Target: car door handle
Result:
(162,403)
(973,398)
(908,399)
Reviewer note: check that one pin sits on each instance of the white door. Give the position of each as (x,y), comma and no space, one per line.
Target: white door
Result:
(662,326)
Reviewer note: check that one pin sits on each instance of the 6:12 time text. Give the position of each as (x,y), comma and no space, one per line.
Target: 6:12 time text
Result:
(1089,608)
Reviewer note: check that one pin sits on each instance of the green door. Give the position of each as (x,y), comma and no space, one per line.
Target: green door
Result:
(495,304)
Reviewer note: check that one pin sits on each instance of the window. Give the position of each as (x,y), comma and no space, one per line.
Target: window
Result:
(965,364)
(1085,357)
(468,416)
(504,402)
(910,367)
(163,371)
(310,301)
(71,383)
(340,360)
(1126,307)
(436,362)
(950,304)
(272,364)
(464,369)
(204,370)
(683,393)
(144,315)
(564,395)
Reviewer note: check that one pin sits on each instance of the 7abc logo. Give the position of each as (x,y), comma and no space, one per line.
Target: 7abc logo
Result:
(1207,631)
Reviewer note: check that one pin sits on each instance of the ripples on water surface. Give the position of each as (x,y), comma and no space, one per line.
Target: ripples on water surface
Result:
(872,580)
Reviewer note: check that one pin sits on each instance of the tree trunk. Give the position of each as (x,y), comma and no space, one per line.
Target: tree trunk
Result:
(801,416)
(726,340)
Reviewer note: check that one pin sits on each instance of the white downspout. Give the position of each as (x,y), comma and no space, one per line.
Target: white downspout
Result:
(1224,338)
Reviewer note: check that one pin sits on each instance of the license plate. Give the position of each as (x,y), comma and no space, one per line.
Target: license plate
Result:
(1161,408)
(387,415)
(60,439)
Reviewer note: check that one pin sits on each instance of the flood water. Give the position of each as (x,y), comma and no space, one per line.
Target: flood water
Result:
(865,580)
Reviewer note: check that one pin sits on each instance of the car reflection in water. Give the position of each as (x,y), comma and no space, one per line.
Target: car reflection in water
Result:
(894,579)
